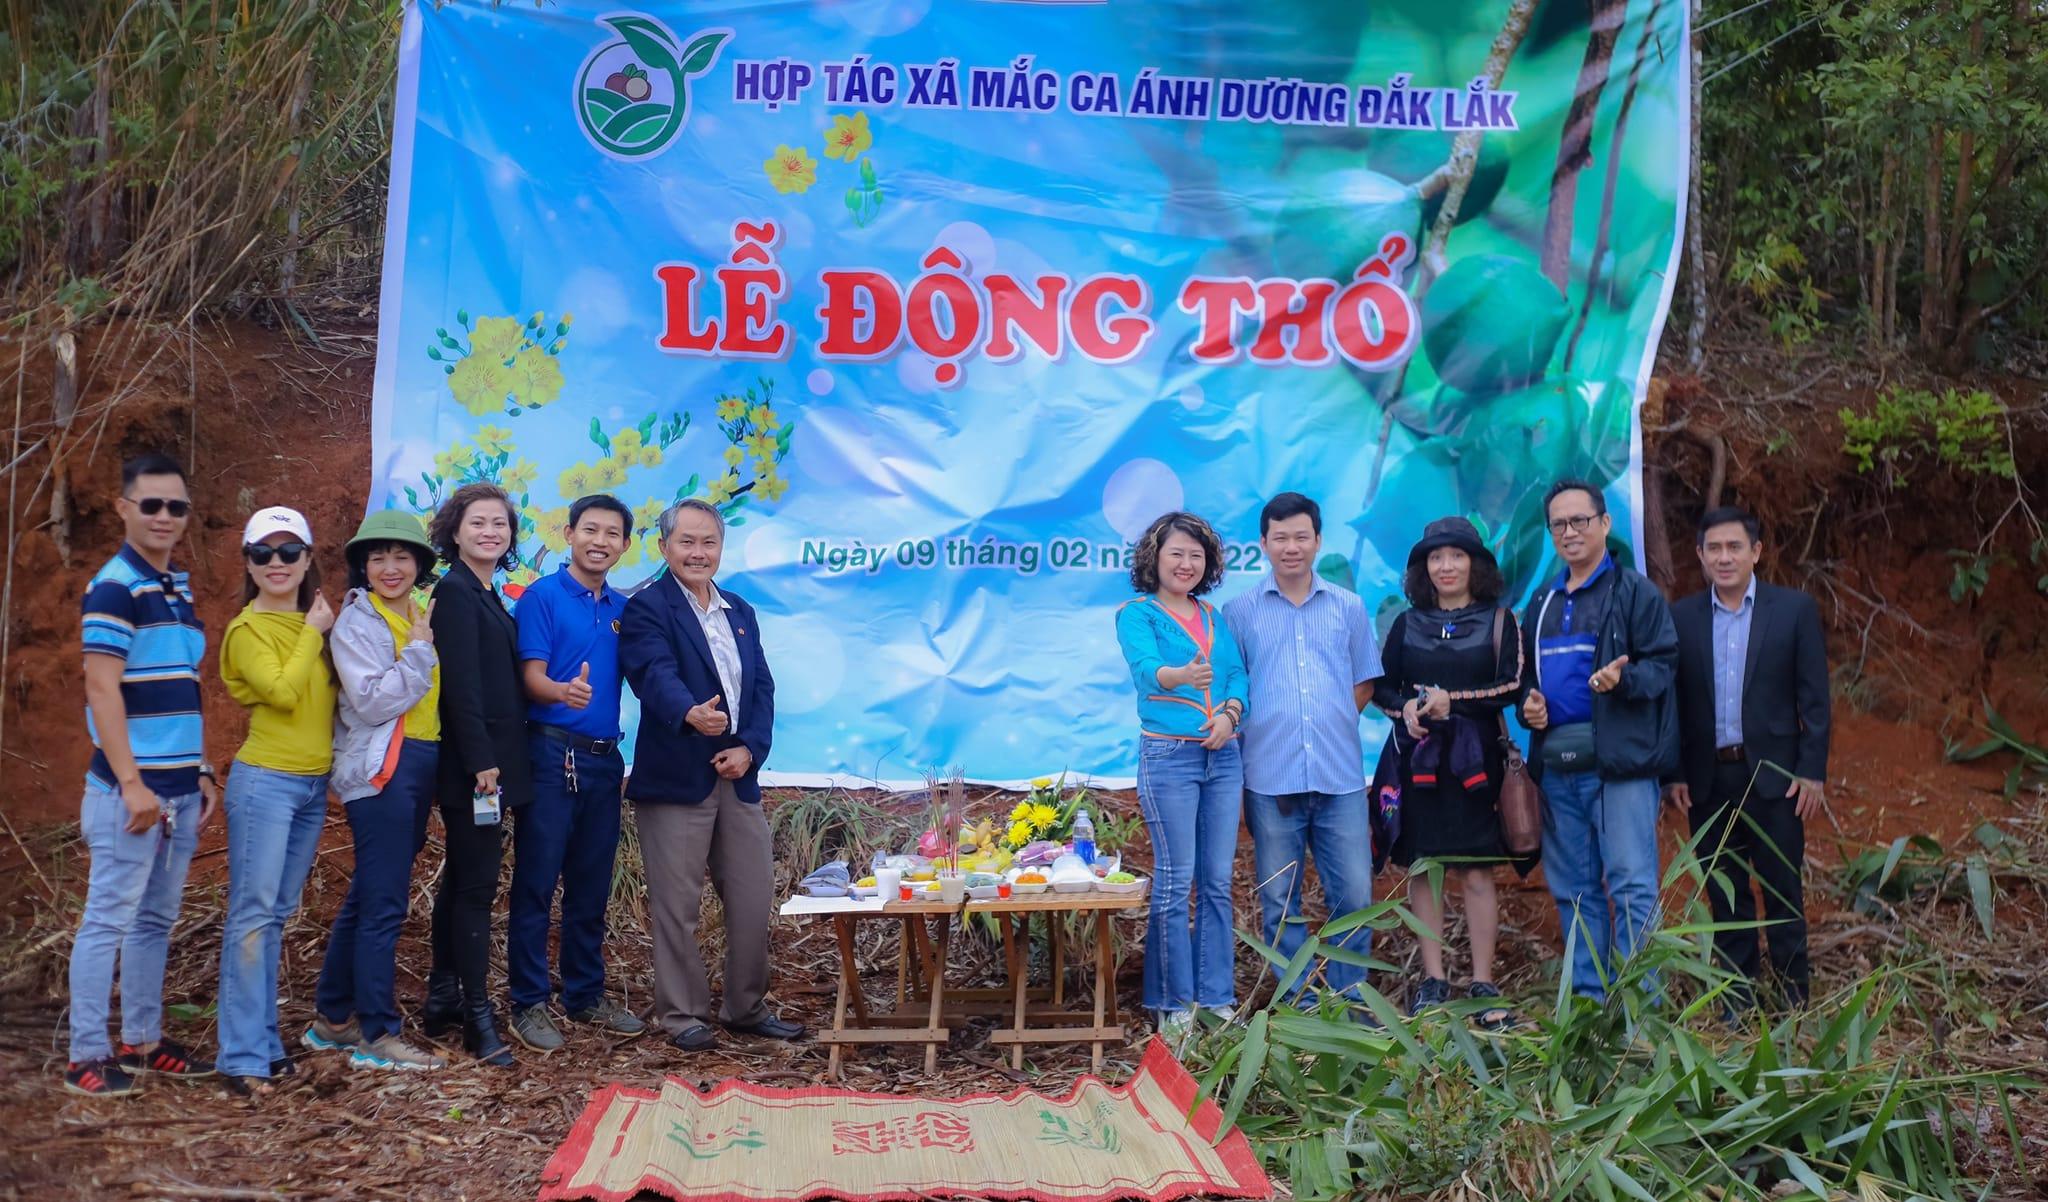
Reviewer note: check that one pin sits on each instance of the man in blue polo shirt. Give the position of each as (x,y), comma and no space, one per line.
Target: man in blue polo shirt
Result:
(149,789)
(1605,716)
(569,836)
(1312,658)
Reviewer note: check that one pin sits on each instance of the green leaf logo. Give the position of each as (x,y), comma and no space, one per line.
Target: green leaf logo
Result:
(632,96)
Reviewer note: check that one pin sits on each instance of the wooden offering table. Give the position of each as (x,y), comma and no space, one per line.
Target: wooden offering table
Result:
(1057,1023)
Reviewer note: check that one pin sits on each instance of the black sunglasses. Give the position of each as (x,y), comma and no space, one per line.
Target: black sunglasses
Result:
(260,553)
(151,506)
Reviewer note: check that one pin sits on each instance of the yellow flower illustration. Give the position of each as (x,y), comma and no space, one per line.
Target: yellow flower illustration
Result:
(647,457)
(479,383)
(734,456)
(626,440)
(522,576)
(791,169)
(762,445)
(771,488)
(732,409)
(451,461)
(607,474)
(631,555)
(647,514)
(849,137)
(496,339)
(551,524)
(763,418)
(719,491)
(575,482)
(518,476)
(536,377)
(492,439)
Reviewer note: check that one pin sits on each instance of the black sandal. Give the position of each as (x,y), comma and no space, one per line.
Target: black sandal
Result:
(248,1087)
(1493,1018)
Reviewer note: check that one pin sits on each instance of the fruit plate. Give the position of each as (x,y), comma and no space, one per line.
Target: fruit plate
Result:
(1074,886)
(1128,887)
(863,891)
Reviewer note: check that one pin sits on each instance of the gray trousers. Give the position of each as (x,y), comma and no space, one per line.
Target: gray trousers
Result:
(679,843)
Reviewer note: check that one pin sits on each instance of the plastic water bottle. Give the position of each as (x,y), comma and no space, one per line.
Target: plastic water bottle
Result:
(1084,838)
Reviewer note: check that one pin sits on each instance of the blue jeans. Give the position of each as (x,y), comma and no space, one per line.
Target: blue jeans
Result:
(1191,798)
(390,827)
(568,837)
(1600,847)
(274,821)
(1334,827)
(131,901)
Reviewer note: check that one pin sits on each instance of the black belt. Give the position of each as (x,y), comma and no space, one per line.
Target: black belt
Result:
(579,742)
(1731,755)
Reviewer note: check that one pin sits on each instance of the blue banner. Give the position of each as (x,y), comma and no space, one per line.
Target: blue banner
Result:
(942,304)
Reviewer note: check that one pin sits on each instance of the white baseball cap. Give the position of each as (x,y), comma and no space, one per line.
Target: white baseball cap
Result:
(276,520)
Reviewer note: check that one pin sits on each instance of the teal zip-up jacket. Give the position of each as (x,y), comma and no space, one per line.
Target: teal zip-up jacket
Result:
(1151,639)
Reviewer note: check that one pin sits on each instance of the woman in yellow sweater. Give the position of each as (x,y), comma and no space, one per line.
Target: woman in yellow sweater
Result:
(273,659)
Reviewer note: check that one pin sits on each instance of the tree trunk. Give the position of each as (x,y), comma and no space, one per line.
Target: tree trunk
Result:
(1616,139)
(1882,304)
(1575,148)
(1695,220)
(1930,240)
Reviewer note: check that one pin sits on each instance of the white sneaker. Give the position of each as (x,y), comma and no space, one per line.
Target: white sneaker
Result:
(391,1052)
(1222,1014)
(1175,1025)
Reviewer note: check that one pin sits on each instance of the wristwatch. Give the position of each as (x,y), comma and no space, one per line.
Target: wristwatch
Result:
(206,772)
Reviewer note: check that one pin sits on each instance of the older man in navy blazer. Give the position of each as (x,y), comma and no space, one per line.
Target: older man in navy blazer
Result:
(692,653)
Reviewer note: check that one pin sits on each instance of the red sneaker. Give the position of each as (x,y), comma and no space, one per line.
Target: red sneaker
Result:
(168,1057)
(100,1078)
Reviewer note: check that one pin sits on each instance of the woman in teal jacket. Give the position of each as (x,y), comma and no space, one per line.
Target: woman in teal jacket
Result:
(1191,699)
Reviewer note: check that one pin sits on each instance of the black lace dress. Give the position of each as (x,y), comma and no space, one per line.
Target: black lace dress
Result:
(1453,650)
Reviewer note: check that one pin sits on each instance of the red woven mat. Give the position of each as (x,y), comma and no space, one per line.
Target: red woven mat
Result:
(748,1143)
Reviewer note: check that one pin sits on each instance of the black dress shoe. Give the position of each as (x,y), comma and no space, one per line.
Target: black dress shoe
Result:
(282,1067)
(480,1036)
(442,1011)
(771,1028)
(694,1038)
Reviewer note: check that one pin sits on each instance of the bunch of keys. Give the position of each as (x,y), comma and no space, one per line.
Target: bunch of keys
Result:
(484,805)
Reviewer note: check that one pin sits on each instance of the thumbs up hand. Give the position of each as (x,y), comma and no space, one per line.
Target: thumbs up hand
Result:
(576,693)
(1196,673)
(707,718)
(1535,711)
(1609,677)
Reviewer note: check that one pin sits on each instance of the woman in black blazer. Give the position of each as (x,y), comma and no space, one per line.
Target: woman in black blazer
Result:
(483,752)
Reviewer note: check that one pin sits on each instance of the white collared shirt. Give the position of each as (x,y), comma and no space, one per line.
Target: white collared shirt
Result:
(725,650)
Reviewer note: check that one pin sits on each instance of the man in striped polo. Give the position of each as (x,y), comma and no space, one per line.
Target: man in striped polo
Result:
(149,789)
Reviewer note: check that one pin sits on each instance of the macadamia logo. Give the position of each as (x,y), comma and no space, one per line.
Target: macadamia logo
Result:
(632,95)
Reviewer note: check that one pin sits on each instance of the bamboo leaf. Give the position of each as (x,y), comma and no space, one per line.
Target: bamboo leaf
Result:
(1979,873)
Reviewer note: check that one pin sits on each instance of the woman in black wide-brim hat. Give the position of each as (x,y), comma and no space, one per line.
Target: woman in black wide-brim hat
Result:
(1453,665)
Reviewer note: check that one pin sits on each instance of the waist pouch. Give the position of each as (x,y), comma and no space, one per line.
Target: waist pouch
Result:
(1569,748)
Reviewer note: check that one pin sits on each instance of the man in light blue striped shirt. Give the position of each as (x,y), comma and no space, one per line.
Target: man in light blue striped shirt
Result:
(149,789)
(1312,658)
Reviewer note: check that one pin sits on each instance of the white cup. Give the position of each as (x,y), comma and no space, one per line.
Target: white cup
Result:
(887,882)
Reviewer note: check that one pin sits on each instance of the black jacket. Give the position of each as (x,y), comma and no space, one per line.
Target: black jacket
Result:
(1785,700)
(483,707)
(667,660)
(1635,726)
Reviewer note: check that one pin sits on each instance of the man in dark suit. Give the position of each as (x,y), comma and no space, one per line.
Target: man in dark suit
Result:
(692,653)
(1753,727)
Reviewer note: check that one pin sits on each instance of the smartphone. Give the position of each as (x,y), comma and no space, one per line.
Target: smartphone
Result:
(485,806)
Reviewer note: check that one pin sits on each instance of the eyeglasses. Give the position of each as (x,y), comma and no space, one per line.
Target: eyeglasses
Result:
(260,553)
(151,506)
(1578,522)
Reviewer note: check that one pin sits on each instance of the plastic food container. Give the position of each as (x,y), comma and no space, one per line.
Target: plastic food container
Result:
(1125,889)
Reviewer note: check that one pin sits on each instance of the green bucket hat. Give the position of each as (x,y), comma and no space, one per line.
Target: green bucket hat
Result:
(394,526)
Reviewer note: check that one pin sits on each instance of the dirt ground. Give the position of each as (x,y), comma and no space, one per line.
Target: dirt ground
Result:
(279,419)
